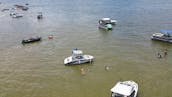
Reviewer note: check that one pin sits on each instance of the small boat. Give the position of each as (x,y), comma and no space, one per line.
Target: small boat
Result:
(106,23)
(163,35)
(125,89)
(78,58)
(24,8)
(31,40)
(16,15)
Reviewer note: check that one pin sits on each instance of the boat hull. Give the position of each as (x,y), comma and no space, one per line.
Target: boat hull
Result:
(73,61)
(169,40)
(31,40)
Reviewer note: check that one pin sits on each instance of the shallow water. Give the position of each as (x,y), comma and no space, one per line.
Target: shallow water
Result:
(37,70)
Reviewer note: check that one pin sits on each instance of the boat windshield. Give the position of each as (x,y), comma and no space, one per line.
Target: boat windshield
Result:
(79,57)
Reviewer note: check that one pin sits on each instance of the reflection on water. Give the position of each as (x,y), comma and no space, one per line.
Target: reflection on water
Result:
(37,70)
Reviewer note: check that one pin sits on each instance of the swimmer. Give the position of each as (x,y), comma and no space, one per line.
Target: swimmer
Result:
(107,67)
(83,72)
(50,37)
(165,52)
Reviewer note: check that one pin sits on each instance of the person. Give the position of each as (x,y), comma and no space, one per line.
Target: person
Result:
(165,52)
(107,67)
(83,71)
(159,55)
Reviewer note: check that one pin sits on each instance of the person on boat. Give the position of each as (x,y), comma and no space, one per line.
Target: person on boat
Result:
(107,68)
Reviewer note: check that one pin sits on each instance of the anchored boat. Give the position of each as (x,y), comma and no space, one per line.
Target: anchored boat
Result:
(125,89)
(24,8)
(163,35)
(106,23)
(78,58)
(31,40)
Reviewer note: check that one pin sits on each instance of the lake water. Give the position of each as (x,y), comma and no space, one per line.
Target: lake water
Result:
(37,70)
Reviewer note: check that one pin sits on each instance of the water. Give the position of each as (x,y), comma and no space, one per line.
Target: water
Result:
(37,70)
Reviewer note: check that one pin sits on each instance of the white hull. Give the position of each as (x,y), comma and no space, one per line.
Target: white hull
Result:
(85,59)
(162,39)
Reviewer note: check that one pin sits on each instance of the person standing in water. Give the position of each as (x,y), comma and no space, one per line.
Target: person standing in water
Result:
(165,52)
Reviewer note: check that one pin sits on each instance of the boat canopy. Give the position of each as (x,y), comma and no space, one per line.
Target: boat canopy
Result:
(105,20)
(122,89)
(166,32)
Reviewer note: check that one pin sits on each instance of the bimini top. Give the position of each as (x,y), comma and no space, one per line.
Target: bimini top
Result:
(122,89)
(166,32)
(106,19)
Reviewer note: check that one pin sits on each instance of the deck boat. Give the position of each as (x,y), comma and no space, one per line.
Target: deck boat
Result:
(163,35)
(125,89)
(106,23)
(78,58)
(31,40)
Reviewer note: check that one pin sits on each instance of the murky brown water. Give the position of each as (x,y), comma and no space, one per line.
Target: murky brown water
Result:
(37,70)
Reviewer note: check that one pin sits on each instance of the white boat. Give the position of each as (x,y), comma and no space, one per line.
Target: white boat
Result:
(16,15)
(106,23)
(78,58)
(163,35)
(125,89)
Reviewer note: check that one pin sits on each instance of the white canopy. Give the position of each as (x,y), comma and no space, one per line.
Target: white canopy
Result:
(122,89)
(106,19)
